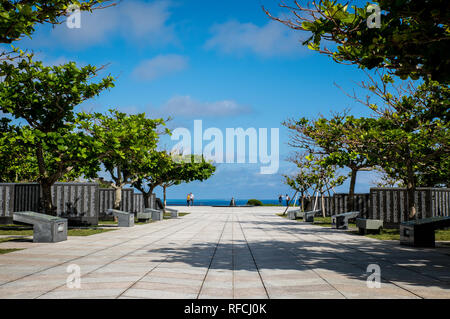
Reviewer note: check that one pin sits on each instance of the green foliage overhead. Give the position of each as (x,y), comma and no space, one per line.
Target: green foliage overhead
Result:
(412,41)
(46,96)
(17,160)
(19,18)
(125,143)
(164,169)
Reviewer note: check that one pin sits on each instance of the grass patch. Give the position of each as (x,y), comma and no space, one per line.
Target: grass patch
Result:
(107,222)
(19,230)
(86,231)
(16,230)
(4,240)
(320,221)
(136,222)
(9,250)
(394,234)
(168,215)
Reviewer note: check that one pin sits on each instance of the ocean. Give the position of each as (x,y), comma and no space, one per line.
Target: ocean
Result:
(218,202)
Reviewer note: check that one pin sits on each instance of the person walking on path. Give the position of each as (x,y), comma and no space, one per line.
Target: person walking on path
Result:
(287,200)
(280,199)
(192,199)
(188,199)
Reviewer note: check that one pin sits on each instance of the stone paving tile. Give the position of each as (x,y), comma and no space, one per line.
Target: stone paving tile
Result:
(176,281)
(225,253)
(169,287)
(158,294)
(216,293)
(82,294)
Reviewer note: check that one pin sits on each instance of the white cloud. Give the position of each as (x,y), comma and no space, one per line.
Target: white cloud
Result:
(186,106)
(159,66)
(137,20)
(271,39)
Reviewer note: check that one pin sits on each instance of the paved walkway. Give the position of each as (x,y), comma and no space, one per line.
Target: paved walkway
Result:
(225,253)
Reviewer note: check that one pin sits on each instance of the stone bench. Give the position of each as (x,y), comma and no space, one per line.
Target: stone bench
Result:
(309,216)
(144,216)
(340,221)
(366,226)
(173,212)
(125,219)
(294,214)
(420,233)
(155,213)
(46,228)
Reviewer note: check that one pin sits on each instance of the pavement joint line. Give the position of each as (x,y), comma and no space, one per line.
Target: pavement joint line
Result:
(212,257)
(300,261)
(384,259)
(104,265)
(73,259)
(232,256)
(151,270)
(383,277)
(253,257)
(356,265)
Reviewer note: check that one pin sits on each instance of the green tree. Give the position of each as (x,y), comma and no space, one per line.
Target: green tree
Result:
(301,182)
(413,39)
(186,169)
(17,160)
(410,139)
(316,174)
(126,145)
(330,137)
(165,170)
(19,18)
(154,173)
(44,97)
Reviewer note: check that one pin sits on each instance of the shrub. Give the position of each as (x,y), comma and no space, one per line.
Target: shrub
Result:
(254,202)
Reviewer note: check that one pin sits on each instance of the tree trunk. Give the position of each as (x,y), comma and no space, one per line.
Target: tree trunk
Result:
(410,190)
(351,192)
(303,201)
(118,196)
(315,201)
(164,194)
(45,182)
(147,196)
(48,207)
(323,206)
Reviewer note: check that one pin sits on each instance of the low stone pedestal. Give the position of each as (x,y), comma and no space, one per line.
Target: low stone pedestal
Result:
(157,215)
(173,212)
(144,217)
(420,233)
(294,214)
(309,216)
(46,228)
(369,226)
(125,219)
(340,221)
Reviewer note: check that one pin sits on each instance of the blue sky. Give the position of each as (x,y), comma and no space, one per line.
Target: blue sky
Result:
(223,62)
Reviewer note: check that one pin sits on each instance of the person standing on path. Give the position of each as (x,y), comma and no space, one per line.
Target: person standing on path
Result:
(188,199)
(192,199)
(287,200)
(280,199)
